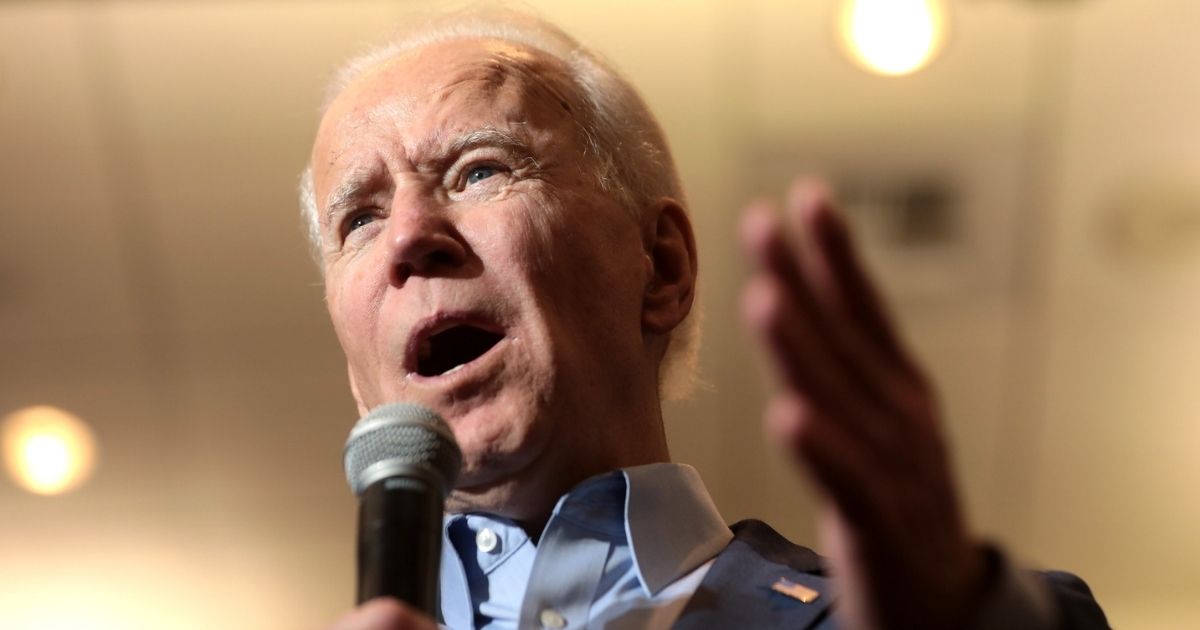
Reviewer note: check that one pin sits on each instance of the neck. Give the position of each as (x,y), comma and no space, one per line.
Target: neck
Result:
(529,496)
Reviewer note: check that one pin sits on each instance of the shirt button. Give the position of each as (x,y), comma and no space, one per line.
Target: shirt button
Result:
(552,619)
(486,540)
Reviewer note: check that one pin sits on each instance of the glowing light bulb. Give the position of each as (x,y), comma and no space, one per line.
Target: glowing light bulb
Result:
(892,37)
(47,450)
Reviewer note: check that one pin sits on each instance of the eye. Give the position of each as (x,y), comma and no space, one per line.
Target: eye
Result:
(480,173)
(358,221)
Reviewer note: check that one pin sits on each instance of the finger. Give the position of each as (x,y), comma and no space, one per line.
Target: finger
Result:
(384,613)
(848,354)
(765,242)
(821,356)
(804,362)
(769,302)
(842,470)
(853,318)
(838,274)
(778,306)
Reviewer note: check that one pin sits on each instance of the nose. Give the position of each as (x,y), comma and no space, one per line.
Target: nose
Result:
(422,241)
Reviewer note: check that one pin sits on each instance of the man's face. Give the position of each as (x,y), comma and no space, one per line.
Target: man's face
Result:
(471,263)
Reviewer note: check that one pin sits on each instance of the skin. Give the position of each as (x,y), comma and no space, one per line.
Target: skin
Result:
(585,293)
(384,614)
(511,233)
(860,417)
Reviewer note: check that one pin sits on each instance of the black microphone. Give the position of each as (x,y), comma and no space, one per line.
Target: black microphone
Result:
(402,461)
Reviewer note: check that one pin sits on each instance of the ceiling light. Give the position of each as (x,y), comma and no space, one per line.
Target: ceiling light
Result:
(892,37)
(47,450)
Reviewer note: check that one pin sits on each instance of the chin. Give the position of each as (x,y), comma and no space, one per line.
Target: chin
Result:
(488,492)
(490,499)
(499,436)
(510,477)
(488,463)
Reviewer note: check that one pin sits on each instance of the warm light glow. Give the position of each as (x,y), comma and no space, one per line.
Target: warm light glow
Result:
(47,450)
(136,580)
(893,37)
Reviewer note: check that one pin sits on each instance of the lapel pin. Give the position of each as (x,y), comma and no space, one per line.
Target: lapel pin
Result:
(795,591)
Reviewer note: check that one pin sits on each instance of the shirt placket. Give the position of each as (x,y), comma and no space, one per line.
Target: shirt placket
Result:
(566,573)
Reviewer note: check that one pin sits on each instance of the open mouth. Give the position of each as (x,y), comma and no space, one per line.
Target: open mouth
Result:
(450,349)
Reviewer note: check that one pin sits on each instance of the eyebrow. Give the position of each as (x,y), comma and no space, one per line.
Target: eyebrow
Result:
(353,187)
(488,136)
(361,180)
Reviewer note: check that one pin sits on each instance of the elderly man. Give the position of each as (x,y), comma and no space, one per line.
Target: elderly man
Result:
(505,241)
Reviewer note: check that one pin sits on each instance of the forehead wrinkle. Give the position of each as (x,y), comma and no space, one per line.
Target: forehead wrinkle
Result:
(397,107)
(528,74)
(515,125)
(525,90)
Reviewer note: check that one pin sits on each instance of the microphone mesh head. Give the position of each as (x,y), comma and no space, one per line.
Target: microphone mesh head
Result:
(401,438)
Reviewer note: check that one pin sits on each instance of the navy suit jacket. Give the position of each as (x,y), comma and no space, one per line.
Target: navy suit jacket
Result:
(737,593)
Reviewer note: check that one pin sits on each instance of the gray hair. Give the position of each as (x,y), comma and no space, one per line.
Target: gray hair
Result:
(621,137)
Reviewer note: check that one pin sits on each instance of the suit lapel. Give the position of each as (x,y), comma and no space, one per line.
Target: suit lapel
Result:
(737,591)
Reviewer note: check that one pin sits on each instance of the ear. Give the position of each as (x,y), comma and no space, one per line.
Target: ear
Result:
(362,409)
(671,265)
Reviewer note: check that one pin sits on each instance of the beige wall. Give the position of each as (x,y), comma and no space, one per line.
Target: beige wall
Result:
(154,281)
(1115,484)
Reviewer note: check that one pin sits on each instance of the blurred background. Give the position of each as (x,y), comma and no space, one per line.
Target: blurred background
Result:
(1026,182)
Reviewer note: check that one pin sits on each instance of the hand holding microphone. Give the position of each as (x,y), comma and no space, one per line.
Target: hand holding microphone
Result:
(384,614)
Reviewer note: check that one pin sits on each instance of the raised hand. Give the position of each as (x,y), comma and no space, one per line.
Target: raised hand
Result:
(858,414)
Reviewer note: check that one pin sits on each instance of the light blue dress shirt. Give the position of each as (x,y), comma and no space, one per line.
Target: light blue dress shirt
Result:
(606,559)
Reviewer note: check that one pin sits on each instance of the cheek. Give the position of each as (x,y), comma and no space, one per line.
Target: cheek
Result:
(521,248)
(530,236)
(350,311)
(551,234)
(594,257)
(589,276)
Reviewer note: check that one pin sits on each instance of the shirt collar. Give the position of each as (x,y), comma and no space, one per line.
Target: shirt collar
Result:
(671,523)
(662,511)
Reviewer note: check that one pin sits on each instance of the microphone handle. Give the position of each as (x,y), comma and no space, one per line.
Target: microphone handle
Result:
(400,542)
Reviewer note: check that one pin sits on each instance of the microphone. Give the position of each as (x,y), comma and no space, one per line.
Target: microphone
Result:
(401,460)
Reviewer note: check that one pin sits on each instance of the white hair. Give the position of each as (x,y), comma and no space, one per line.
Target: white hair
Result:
(622,139)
